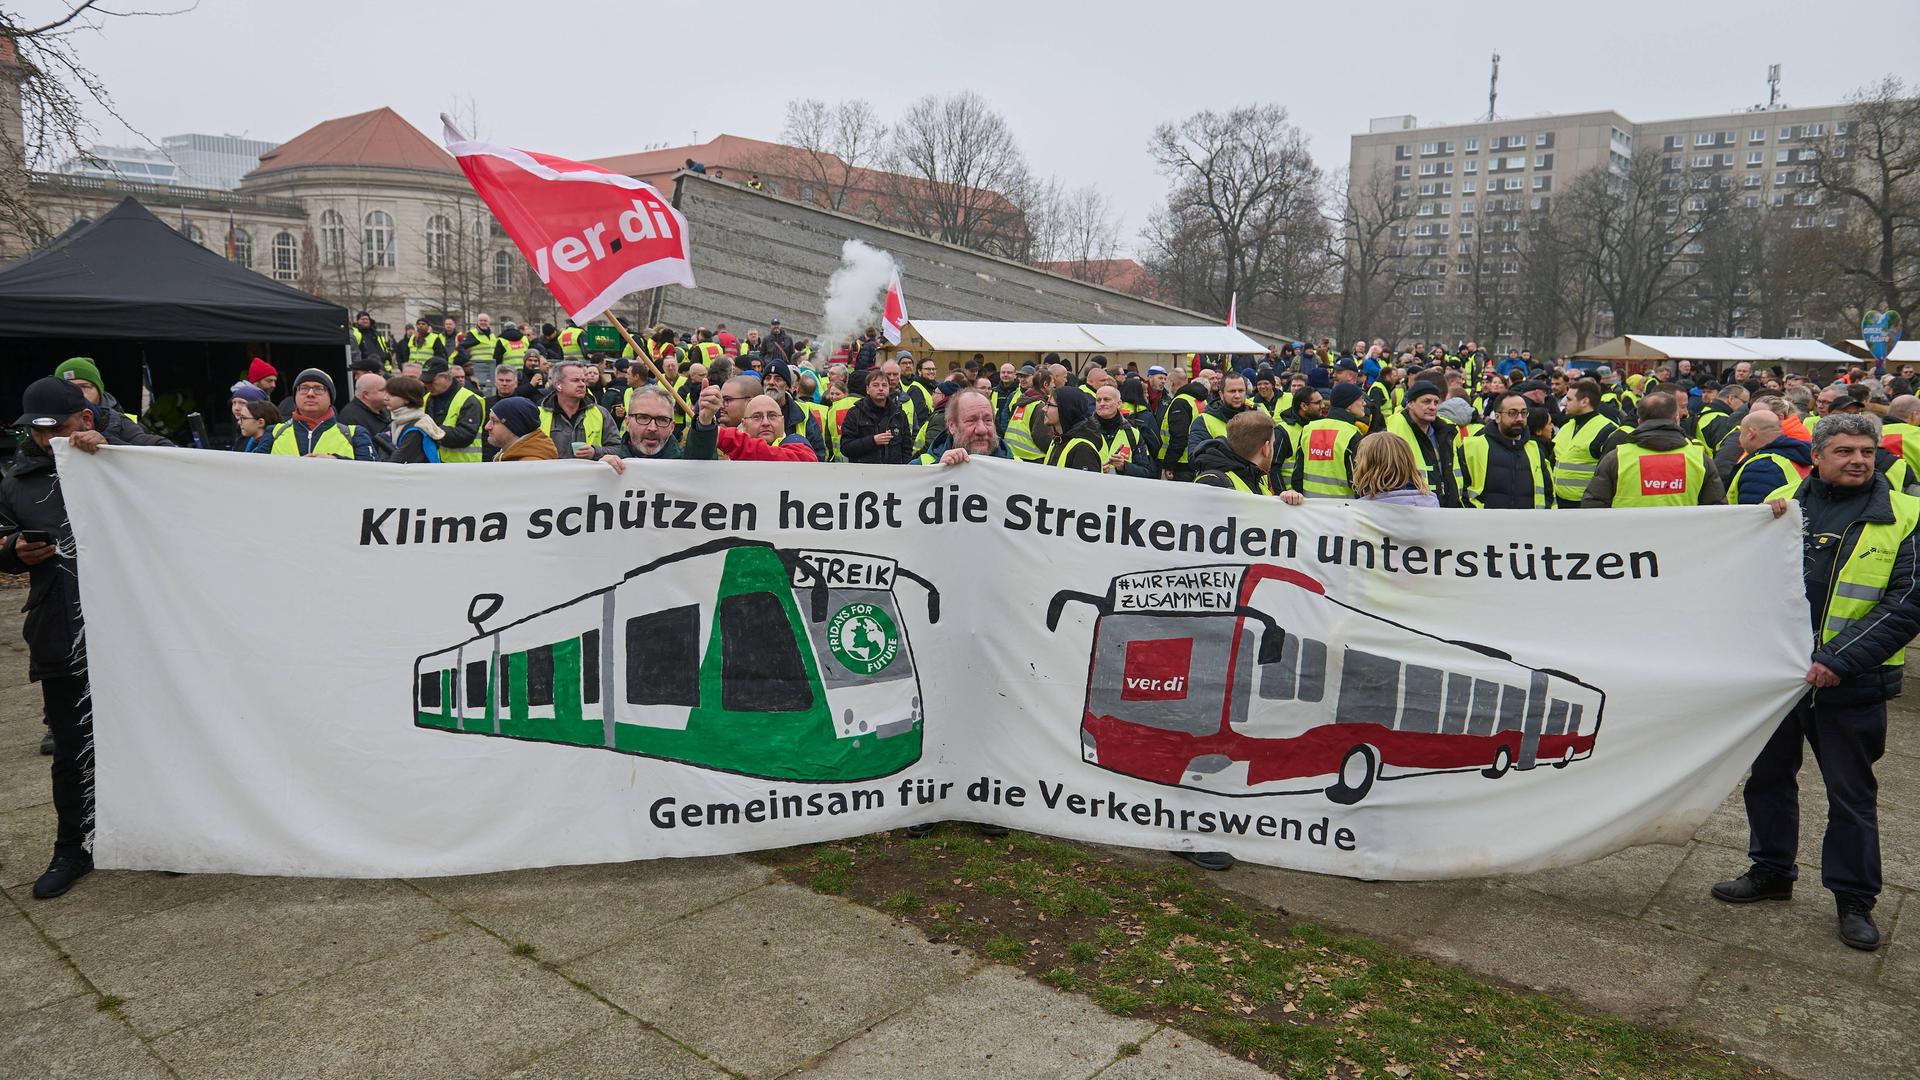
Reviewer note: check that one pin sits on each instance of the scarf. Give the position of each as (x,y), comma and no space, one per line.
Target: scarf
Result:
(412,416)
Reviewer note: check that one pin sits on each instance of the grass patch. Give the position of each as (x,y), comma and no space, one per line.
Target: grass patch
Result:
(1294,997)
(108,1002)
(521,948)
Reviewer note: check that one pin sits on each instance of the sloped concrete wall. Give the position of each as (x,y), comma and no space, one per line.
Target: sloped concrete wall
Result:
(757,256)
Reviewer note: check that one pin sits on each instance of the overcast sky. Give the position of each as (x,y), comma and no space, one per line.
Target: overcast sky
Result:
(1083,85)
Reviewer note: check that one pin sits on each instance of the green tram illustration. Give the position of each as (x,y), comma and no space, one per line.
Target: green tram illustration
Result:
(733,655)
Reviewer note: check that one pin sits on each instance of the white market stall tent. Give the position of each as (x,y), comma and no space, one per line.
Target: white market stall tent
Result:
(1904,352)
(1025,343)
(1640,352)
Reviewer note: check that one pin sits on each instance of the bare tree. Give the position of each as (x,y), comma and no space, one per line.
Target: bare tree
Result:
(1635,232)
(1245,181)
(1872,174)
(48,122)
(458,255)
(954,159)
(835,144)
(1076,230)
(1371,253)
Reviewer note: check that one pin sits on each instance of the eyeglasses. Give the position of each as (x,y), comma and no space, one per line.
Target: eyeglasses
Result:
(760,416)
(736,397)
(651,421)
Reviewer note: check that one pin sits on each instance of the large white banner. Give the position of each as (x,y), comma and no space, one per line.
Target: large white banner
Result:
(328,668)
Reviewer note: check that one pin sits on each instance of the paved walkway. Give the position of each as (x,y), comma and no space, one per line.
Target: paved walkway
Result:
(689,969)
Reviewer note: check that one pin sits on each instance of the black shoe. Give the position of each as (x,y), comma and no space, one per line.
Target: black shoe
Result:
(61,874)
(1208,860)
(1758,883)
(46,745)
(1856,923)
(993,831)
(919,832)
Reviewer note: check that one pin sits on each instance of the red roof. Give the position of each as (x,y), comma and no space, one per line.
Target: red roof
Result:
(378,139)
(1124,275)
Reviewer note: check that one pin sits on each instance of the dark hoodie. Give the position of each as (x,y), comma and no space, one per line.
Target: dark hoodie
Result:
(1076,422)
(1215,462)
(1182,409)
(1762,476)
(1198,435)
(1661,436)
(1141,462)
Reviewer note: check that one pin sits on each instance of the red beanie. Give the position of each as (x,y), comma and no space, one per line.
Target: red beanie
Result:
(260,369)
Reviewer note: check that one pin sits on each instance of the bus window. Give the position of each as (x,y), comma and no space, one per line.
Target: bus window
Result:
(1513,708)
(1573,720)
(1313,669)
(1420,701)
(760,665)
(1557,718)
(590,668)
(1486,702)
(1369,689)
(1278,679)
(663,657)
(477,685)
(429,690)
(540,675)
(1459,696)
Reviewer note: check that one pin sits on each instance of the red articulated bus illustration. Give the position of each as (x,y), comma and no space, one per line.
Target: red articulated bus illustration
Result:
(1250,680)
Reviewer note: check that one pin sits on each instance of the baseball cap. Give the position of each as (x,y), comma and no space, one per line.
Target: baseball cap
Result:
(775,321)
(48,402)
(1156,370)
(1027,369)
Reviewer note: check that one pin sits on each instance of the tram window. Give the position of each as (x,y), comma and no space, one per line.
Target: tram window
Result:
(477,684)
(1513,708)
(1459,697)
(590,667)
(1313,670)
(663,657)
(506,685)
(1369,689)
(760,665)
(430,690)
(1420,702)
(1557,718)
(540,675)
(1278,677)
(1486,702)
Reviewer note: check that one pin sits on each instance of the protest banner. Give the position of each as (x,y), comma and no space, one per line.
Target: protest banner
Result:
(465,670)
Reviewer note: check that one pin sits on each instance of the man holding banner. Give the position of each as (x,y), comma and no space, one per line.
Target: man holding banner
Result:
(1859,568)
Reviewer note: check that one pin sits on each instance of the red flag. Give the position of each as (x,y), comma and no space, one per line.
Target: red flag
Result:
(894,315)
(591,235)
(1233,312)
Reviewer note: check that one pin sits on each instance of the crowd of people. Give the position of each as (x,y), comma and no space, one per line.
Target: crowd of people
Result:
(1424,426)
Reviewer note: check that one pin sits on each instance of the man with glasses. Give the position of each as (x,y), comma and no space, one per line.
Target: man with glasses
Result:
(648,434)
(1501,466)
(762,435)
(313,430)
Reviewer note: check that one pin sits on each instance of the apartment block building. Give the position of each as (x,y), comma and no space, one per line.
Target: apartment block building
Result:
(1466,192)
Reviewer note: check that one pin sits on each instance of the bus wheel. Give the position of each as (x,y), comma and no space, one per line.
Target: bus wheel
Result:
(1566,759)
(1357,772)
(1502,761)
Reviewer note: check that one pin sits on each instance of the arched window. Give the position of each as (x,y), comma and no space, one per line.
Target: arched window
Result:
(194,234)
(502,270)
(439,242)
(376,239)
(333,237)
(243,247)
(286,256)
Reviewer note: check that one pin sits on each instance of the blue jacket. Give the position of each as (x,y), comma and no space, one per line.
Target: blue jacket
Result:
(1763,477)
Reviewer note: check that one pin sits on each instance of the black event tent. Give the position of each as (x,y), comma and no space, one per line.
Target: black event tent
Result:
(128,275)
(130,292)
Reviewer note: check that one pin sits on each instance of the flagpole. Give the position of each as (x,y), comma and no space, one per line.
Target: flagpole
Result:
(641,352)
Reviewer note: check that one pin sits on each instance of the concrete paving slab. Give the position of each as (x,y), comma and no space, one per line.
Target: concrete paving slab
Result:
(1800,930)
(1600,959)
(995,1023)
(462,1005)
(1399,911)
(1623,883)
(1172,1055)
(26,842)
(200,959)
(107,896)
(31,973)
(74,1039)
(568,911)
(772,978)
(625,1049)
(27,780)
(1806,1024)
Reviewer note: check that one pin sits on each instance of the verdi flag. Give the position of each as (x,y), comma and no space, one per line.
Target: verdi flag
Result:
(894,315)
(591,235)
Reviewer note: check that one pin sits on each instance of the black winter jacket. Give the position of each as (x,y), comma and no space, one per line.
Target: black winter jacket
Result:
(1215,461)
(866,420)
(30,498)
(1857,653)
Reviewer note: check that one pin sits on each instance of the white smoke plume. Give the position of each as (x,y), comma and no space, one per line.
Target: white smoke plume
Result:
(854,293)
